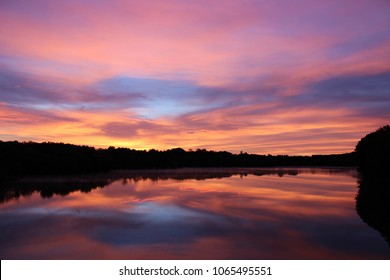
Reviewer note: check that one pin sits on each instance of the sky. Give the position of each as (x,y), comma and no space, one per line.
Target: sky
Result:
(296,77)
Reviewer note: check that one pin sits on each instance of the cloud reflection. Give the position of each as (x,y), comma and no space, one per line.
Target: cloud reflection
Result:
(233,214)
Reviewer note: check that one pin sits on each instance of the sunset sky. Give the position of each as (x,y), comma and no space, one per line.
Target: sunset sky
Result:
(295,77)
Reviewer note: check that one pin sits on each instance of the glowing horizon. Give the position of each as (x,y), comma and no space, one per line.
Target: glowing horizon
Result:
(261,77)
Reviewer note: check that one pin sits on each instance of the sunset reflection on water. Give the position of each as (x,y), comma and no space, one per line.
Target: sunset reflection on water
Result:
(192,214)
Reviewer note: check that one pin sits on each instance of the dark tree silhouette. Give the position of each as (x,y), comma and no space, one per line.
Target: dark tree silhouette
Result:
(373,198)
(373,151)
(29,158)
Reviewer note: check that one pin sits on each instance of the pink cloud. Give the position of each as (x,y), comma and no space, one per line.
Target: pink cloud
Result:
(182,38)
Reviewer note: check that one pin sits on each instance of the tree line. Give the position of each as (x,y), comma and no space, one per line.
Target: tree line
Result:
(373,197)
(31,158)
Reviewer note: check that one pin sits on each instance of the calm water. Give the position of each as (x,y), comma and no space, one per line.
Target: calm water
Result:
(188,214)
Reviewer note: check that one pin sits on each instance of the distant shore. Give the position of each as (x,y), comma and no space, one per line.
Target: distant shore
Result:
(30,158)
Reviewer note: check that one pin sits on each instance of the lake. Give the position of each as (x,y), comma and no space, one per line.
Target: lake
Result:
(238,213)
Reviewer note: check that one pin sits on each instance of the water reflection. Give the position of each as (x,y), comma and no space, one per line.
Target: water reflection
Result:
(49,186)
(188,214)
(373,202)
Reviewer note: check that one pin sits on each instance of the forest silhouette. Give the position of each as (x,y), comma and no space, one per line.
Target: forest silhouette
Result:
(30,158)
(373,197)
